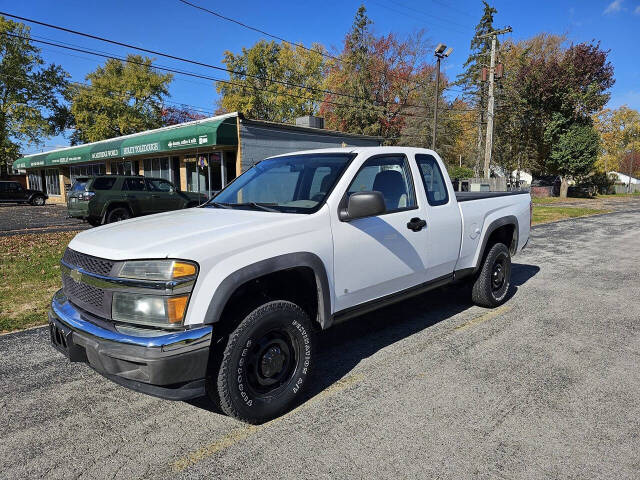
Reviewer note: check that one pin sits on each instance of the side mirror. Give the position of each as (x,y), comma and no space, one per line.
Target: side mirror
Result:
(363,204)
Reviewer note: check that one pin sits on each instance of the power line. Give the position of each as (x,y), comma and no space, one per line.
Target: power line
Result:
(249,27)
(207,77)
(175,57)
(425,16)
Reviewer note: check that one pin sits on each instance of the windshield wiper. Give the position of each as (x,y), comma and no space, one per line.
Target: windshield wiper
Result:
(219,205)
(259,206)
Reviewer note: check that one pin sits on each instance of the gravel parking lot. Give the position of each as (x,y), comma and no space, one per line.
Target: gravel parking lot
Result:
(19,219)
(546,386)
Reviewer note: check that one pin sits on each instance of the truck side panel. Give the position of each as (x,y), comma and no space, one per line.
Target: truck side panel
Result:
(477,217)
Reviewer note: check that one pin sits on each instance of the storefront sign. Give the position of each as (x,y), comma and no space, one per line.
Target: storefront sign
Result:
(185,142)
(105,154)
(138,149)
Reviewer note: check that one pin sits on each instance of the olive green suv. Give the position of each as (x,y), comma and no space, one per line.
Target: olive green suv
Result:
(111,198)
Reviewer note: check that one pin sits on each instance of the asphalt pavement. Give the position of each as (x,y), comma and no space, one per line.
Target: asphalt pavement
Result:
(20,219)
(546,386)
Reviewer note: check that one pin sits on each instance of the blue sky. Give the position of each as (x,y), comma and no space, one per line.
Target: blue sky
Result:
(172,27)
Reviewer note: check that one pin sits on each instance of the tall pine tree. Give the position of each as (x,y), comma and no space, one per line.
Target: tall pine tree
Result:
(470,79)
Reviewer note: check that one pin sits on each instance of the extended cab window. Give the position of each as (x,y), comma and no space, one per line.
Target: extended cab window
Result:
(434,183)
(103,183)
(134,184)
(389,175)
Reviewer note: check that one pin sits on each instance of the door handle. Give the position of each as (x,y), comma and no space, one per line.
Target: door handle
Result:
(416,224)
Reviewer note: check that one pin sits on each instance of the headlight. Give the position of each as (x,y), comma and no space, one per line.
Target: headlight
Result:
(158,269)
(155,310)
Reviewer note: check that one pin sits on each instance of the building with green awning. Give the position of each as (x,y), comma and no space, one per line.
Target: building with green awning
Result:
(199,134)
(202,155)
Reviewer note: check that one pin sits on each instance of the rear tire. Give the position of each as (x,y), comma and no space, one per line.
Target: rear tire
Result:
(37,201)
(118,214)
(266,363)
(492,284)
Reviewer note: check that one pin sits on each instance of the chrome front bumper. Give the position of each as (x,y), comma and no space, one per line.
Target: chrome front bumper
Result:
(169,365)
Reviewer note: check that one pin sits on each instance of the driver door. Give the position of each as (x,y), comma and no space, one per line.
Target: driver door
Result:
(163,195)
(376,256)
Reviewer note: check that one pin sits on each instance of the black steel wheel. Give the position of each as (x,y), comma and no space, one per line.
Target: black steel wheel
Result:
(265,364)
(118,214)
(492,284)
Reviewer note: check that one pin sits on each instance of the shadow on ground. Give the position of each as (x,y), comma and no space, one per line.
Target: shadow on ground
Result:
(344,346)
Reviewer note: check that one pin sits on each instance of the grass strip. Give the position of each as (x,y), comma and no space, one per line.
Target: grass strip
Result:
(30,273)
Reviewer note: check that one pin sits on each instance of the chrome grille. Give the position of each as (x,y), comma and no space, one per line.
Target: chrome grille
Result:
(99,266)
(85,296)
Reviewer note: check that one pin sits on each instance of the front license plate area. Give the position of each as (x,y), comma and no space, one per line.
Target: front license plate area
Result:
(62,340)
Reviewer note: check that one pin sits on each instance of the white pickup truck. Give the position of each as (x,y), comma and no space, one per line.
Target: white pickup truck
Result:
(226,299)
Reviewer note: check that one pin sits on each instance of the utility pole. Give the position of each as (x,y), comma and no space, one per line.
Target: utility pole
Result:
(440,54)
(491,101)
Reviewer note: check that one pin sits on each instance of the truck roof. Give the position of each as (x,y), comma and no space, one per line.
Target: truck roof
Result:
(368,150)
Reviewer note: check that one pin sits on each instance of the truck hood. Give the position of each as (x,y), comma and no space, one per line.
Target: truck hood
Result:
(174,234)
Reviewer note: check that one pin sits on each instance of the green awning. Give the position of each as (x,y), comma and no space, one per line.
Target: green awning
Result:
(200,134)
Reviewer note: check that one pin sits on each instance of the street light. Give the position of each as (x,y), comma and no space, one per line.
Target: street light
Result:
(440,52)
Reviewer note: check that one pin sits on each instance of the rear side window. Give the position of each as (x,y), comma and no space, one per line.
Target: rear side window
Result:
(103,183)
(134,184)
(434,183)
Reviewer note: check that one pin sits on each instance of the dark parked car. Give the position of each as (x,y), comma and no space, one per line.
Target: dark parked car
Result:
(13,192)
(111,198)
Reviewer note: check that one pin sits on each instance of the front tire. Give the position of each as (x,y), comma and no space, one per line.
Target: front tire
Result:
(266,363)
(492,284)
(118,214)
(37,201)
(94,222)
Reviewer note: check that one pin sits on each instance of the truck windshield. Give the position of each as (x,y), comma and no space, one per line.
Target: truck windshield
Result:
(292,184)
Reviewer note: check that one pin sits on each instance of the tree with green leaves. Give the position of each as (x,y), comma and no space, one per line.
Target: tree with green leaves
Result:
(573,149)
(123,98)
(32,94)
(273,81)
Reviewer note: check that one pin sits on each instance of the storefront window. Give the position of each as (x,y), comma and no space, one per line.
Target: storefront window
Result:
(164,167)
(52,181)
(197,174)
(207,168)
(124,167)
(35,180)
(91,170)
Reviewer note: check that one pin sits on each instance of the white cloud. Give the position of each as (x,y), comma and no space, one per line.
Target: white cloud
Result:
(637,10)
(614,7)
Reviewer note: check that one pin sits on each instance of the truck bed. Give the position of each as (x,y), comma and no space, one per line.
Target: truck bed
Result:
(468,196)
